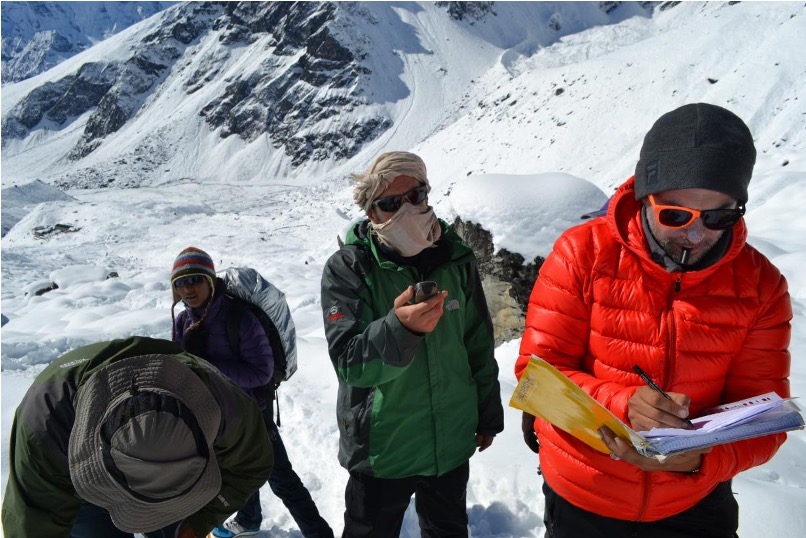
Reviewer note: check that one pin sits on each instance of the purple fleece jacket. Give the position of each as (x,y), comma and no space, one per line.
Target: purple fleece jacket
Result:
(253,369)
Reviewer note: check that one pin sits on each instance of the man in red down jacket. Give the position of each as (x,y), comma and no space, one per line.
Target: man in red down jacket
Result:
(665,281)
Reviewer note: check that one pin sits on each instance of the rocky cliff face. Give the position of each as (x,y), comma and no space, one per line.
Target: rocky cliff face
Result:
(507,279)
(287,98)
(39,35)
(112,92)
(473,11)
(308,77)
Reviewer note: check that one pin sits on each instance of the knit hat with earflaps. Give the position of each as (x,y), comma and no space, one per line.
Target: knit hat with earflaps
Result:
(192,261)
(696,146)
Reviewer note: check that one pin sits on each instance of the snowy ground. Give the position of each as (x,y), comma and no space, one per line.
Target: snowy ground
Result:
(287,234)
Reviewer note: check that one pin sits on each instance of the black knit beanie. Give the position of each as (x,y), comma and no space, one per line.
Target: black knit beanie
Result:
(696,146)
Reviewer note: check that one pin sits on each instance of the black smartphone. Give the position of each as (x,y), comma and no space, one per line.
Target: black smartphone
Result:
(424,290)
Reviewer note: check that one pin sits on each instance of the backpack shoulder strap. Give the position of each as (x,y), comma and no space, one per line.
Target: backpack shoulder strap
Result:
(234,317)
(179,322)
(237,308)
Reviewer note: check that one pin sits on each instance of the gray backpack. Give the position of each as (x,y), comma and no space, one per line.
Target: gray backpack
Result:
(252,292)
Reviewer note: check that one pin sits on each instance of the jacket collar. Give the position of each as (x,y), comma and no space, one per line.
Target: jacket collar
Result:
(626,223)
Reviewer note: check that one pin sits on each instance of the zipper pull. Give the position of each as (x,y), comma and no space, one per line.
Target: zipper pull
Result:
(677,284)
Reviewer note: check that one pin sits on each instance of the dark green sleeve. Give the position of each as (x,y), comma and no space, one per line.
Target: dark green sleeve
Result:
(480,344)
(367,343)
(243,451)
(39,500)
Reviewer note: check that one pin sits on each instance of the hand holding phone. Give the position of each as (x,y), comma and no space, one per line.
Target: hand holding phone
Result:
(424,290)
(420,307)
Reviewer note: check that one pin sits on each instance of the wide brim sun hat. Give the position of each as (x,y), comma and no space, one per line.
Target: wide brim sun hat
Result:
(142,443)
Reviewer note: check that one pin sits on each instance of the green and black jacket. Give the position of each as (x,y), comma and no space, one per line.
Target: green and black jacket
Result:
(409,404)
(40,501)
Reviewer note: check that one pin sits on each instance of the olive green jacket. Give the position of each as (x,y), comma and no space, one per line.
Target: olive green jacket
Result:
(40,501)
(409,404)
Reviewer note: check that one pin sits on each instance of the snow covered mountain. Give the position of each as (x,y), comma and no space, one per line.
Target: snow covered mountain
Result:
(262,91)
(527,115)
(255,90)
(39,35)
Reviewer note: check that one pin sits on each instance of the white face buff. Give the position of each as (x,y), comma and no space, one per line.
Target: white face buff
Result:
(412,229)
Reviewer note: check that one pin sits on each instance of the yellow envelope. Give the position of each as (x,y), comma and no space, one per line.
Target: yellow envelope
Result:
(545,392)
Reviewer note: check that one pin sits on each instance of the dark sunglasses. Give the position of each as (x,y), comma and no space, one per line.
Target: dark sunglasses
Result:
(191,280)
(675,216)
(390,204)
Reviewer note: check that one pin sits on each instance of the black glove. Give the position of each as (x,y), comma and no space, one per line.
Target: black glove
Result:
(529,435)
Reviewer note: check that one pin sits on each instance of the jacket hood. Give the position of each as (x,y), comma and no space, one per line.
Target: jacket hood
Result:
(624,222)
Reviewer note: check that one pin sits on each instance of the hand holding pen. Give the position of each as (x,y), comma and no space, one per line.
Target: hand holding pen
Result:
(645,414)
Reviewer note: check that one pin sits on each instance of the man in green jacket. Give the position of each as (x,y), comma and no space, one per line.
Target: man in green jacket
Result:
(132,436)
(418,383)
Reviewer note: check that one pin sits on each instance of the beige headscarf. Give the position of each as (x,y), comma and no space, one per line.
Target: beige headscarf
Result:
(381,173)
(410,231)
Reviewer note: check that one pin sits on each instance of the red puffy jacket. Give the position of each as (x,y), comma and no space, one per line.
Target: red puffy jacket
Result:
(720,334)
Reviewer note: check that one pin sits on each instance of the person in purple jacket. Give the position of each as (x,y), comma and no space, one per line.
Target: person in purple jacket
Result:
(202,331)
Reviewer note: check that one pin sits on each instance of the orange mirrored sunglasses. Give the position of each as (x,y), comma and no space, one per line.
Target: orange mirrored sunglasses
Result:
(675,216)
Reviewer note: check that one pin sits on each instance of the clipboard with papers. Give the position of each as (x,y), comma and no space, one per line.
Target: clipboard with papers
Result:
(545,392)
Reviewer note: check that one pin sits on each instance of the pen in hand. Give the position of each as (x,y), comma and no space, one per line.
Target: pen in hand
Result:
(656,388)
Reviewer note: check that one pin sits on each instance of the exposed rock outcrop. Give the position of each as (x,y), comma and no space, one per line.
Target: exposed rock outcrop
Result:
(308,77)
(296,95)
(472,11)
(40,35)
(507,279)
